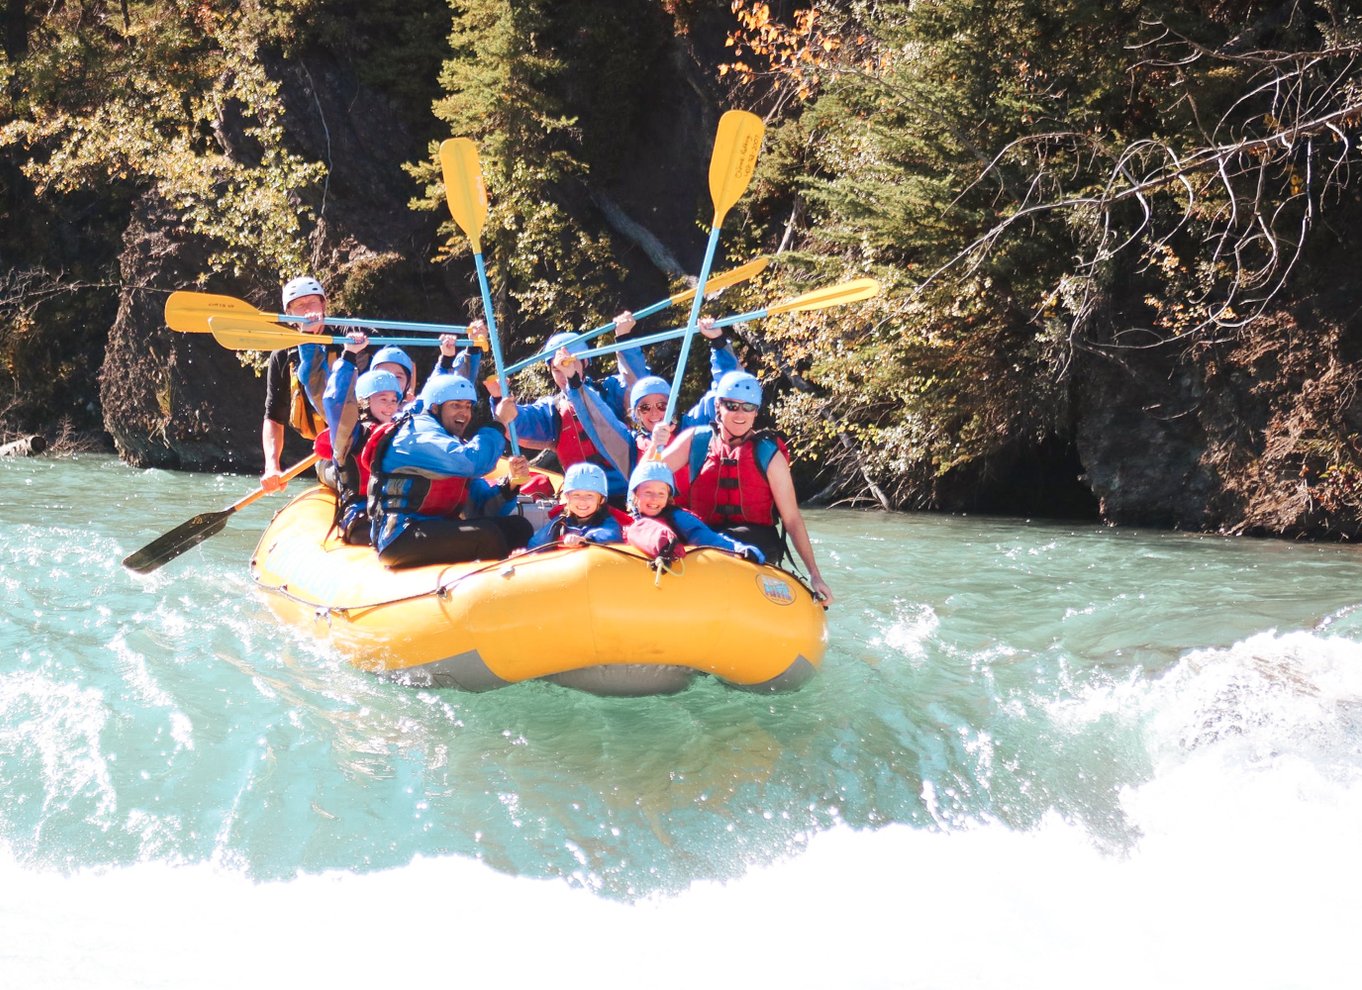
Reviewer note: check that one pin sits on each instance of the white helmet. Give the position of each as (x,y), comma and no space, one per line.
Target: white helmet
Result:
(303,285)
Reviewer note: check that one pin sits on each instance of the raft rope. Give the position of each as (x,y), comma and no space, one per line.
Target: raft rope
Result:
(658,565)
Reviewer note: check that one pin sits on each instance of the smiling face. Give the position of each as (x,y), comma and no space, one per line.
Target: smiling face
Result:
(649,411)
(737,418)
(383,406)
(651,497)
(582,504)
(455,415)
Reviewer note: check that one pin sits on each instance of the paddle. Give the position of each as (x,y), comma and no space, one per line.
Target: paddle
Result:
(188,535)
(189,312)
(833,295)
(246,335)
(730,170)
(731,277)
(467,199)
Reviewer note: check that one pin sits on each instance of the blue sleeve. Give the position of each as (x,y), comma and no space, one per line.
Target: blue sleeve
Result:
(614,391)
(312,373)
(607,532)
(695,533)
(538,421)
(421,446)
(702,413)
(467,362)
(721,361)
(612,439)
(340,389)
(543,536)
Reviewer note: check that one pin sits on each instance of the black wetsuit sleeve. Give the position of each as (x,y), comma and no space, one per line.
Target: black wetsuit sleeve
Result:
(277,387)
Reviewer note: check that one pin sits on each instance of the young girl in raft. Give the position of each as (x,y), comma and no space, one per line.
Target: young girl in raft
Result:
(375,398)
(583,515)
(662,529)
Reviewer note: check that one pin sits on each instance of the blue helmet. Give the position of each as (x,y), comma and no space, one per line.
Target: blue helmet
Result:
(394,355)
(573,342)
(448,388)
(586,477)
(644,387)
(739,386)
(651,470)
(372,382)
(303,285)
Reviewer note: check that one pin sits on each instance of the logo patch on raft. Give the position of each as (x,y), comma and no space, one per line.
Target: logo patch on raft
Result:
(775,589)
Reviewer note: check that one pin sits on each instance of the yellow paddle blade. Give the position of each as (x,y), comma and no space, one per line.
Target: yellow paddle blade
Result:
(721,281)
(464,191)
(834,295)
(734,159)
(244,335)
(189,312)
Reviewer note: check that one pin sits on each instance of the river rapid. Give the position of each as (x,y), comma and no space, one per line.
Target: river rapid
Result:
(1037,755)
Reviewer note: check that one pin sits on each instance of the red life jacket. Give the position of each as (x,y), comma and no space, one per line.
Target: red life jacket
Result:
(398,493)
(728,484)
(573,444)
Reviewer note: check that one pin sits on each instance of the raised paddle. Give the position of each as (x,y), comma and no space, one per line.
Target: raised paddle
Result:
(188,535)
(467,199)
(189,312)
(731,164)
(731,277)
(833,295)
(246,335)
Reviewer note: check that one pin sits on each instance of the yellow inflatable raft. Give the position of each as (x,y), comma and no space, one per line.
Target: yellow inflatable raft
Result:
(596,618)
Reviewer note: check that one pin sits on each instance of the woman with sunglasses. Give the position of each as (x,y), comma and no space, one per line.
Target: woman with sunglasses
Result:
(649,396)
(739,476)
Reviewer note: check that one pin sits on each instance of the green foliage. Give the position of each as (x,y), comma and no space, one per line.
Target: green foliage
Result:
(509,85)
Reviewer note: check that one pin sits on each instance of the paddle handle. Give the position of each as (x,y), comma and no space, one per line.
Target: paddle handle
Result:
(288,475)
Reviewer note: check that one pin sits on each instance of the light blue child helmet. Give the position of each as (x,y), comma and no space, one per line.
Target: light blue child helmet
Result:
(448,388)
(571,341)
(586,477)
(303,285)
(375,381)
(651,470)
(394,355)
(651,385)
(739,386)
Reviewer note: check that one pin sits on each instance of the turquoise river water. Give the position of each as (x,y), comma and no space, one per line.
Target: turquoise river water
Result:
(1038,754)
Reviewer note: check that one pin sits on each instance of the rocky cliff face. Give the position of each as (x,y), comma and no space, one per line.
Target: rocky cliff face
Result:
(181,400)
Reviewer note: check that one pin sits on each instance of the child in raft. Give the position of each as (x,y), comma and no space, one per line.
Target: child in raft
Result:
(662,529)
(375,397)
(583,516)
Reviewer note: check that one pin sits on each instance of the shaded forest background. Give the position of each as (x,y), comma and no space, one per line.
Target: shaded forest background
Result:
(1119,240)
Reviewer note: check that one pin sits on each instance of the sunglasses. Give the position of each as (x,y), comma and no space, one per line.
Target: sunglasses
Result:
(732,405)
(651,407)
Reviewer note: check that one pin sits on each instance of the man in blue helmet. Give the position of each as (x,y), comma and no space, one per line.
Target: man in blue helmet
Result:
(428,502)
(738,477)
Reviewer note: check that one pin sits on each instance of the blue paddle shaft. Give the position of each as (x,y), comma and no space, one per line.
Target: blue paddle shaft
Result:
(665,335)
(360,322)
(590,335)
(695,305)
(495,340)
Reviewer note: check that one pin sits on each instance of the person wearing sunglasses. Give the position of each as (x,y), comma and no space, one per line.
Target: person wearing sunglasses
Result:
(649,396)
(739,477)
